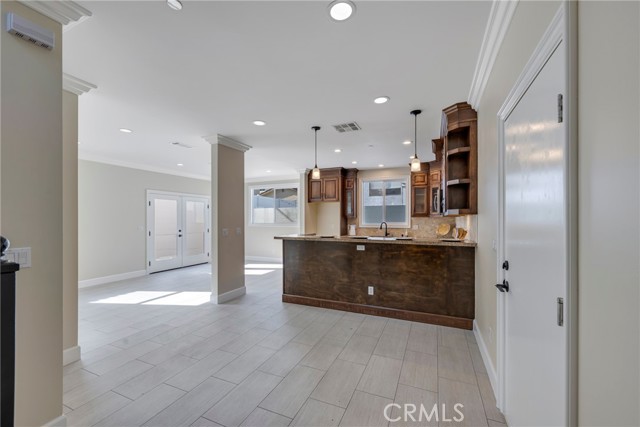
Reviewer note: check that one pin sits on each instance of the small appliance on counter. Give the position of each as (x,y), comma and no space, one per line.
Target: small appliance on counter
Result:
(352,230)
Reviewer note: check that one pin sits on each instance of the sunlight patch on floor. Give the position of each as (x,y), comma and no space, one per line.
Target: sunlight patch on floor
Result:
(136,297)
(257,272)
(273,266)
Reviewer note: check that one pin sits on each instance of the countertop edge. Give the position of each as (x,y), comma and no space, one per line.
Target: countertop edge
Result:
(347,239)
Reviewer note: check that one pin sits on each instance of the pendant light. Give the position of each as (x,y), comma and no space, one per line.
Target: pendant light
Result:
(415,162)
(315,173)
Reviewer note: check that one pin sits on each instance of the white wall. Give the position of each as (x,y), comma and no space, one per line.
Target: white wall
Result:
(31,194)
(529,23)
(609,251)
(259,241)
(112,215)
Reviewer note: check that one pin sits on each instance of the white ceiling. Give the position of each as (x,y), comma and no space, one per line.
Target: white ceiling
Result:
(215,66)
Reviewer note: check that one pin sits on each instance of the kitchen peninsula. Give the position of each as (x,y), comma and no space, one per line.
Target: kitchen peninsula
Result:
(428,281)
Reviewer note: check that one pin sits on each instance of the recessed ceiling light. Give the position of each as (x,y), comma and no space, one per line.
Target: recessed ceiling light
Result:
(341,10)
(381,99)
(381,165)
(180,164)
(337,150)
(268,171)
(354,163)
(125,130)
(174,4)
(259,122)
(407,142)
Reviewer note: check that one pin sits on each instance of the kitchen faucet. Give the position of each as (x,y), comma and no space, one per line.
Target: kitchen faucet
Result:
(385,228)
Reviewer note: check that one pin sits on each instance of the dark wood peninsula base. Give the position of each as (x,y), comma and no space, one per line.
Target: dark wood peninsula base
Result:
(430,282)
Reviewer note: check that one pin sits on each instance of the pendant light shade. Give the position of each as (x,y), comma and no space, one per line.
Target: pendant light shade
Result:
(415,162)
(315,173)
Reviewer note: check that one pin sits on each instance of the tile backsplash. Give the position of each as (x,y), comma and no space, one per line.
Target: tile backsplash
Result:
(426,228)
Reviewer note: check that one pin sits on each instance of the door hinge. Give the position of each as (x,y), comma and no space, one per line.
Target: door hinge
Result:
(560,312)
(149,263)
(560,109)
(149,233)
(149,203)
(505,265)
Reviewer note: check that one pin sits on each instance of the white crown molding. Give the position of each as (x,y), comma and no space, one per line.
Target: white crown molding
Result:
(63,11)
(499,20)
(139,166)
(227,142)
(273,179)
(75,85)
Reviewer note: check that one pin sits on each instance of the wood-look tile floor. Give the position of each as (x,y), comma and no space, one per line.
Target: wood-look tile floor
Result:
(156,352)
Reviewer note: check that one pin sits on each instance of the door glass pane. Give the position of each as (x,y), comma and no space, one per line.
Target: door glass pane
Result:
(166,227)
(194,224)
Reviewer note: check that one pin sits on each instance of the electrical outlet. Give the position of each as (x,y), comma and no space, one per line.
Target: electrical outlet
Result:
(225,232)
(415,226)
(238,231)
(359,247)
(370,290)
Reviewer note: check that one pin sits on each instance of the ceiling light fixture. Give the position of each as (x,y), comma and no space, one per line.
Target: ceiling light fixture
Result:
(381,99)
(315,173)
(354,163)
(341,10)
(268,171)
(174,4)
(180,164)
(125,130)
(381,165)
(337,150)
(415,162)
(407,142)
(259,122)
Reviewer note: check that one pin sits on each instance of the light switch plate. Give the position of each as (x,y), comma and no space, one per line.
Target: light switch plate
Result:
(225,232)
(360,247)
(239,231)
(370,290)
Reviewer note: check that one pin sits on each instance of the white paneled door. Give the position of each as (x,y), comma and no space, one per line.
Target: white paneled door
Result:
(178,231)
(536,253)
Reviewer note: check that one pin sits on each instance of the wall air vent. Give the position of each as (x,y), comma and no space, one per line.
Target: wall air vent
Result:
(347,127)
(28,31)
(180,144)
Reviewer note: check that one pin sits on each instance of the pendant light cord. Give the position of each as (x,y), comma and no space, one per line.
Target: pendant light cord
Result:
(316,146)
(415,136)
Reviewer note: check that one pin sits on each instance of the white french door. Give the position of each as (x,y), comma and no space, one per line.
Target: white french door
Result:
(178,233)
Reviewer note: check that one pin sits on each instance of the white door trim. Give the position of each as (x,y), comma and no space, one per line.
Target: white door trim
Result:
(562,28)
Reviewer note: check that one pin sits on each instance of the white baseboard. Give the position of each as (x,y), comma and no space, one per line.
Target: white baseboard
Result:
(491,370)
(70,355)
(263,259)
(108,279)
(61,421)
(228,296)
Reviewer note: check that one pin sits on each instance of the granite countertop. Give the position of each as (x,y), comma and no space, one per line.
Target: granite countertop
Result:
(363,239)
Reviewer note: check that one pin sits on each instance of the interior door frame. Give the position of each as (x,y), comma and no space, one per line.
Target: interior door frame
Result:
(563,28)
(149,249)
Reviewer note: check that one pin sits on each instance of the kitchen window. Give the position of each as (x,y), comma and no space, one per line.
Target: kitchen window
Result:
(274,205)
(385,200)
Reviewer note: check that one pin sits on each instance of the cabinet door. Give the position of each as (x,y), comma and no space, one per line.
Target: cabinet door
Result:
(315,190)
(420,201)
(331,189)
(418,178)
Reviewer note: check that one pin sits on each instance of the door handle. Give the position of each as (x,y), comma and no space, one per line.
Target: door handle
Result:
(503,287)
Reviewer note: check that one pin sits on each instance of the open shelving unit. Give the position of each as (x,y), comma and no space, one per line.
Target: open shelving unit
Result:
(460,135)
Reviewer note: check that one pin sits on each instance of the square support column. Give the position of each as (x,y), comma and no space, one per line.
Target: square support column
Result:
(227,218)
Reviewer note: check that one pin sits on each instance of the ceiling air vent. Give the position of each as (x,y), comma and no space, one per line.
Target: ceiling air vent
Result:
(28,31)
(347,127)
(180,144)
